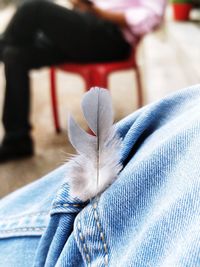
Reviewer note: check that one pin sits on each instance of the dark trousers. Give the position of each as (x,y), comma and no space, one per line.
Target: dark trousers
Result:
(42,34)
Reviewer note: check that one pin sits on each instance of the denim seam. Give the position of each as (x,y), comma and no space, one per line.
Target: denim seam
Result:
(25,215)
(69,205)
(24,229)
(102,235)
(84,246)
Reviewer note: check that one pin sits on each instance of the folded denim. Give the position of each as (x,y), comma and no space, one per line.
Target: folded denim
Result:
(149,217)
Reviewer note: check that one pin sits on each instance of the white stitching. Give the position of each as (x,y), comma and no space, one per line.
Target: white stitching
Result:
(102,236)
(24,229)
(87,256)
(69,205)
(25,215)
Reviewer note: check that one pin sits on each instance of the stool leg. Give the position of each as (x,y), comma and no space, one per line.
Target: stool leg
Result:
(54,99)
(86,75)
(139,86)
(99,78)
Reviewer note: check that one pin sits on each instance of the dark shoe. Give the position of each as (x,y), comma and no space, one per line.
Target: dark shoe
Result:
(16,149)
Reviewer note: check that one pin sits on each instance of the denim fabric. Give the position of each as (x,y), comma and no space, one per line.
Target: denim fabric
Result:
(149,217)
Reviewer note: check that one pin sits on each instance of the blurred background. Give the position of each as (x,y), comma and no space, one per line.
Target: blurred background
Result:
(169,60)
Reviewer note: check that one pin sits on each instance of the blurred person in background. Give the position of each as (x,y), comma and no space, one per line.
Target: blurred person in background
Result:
(42,33)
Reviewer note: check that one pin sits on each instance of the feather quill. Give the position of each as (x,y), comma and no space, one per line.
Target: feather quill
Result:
(98,161)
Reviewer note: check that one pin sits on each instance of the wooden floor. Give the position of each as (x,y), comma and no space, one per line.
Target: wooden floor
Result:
(169,61)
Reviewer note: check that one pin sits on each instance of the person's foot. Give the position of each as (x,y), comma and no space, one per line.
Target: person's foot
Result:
(16,149)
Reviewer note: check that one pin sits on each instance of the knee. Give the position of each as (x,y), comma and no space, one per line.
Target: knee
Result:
(33,9)
(12,56)
(31,6)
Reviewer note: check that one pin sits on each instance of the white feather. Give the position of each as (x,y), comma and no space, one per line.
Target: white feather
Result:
(98,162)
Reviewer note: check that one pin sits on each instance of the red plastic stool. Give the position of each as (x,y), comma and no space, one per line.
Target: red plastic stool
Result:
(95,74)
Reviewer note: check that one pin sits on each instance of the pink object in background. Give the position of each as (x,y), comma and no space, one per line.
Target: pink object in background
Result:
(142,15)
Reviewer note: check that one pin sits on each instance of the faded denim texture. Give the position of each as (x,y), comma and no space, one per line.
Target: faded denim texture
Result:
(149,217)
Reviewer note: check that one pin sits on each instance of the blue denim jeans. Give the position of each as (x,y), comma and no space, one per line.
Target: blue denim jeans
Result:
(149,217)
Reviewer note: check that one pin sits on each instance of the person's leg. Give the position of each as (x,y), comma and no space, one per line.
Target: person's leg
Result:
(38,16)
(81,36)
(35,16)
(65,30)
(18,61)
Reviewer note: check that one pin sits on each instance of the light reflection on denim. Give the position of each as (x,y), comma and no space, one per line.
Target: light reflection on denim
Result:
(149,217)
